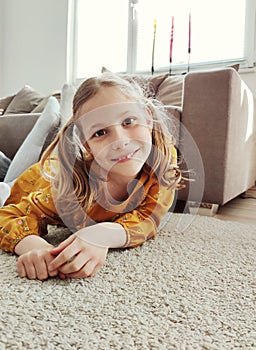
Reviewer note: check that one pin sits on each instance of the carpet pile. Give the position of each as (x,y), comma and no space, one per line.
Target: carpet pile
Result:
(190,288)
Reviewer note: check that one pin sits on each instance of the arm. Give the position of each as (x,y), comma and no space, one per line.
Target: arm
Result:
(29,217)
(84,253)
(141,224)
(21,235)
(28,210)
(35,257)
(24,219)
(134,228)
(86,250)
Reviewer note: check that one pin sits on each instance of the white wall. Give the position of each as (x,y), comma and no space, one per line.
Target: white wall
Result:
(1,41)
(33,45)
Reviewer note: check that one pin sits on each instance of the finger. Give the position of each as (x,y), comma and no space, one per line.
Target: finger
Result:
(96,269)
(63,245)
(21,269)
(41,270)
(30,271)
(48,259)
(86,271)
(61,259)
(75,265)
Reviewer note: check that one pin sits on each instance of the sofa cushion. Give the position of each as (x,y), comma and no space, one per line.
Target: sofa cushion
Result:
(5,101)
(24,101)
(170,91)
(30,149)
(149,84)
(10,139)
(174,113)
(40,107)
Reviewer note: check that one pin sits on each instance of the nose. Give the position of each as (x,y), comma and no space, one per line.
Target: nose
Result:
(119,138)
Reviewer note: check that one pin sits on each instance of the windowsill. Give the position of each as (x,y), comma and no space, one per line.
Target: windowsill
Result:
(183,69)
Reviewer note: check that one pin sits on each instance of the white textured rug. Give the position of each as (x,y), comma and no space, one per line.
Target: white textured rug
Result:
(194,289)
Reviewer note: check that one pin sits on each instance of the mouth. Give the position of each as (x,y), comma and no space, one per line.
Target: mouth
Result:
(125,158)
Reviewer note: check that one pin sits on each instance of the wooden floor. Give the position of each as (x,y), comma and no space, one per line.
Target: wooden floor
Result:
(241,209)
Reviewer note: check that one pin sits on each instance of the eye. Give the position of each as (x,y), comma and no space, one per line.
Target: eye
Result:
(129,121)
(100,133)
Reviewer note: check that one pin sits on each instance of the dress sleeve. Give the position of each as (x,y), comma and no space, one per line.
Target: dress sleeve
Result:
(28,210)
(141,223)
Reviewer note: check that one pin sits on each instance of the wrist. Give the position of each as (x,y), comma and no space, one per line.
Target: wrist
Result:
(31,242)
(104,235)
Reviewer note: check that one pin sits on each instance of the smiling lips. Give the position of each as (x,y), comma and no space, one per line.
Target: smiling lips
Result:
(126,157)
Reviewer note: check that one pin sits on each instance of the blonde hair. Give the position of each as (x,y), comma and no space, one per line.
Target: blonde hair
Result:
(74,175)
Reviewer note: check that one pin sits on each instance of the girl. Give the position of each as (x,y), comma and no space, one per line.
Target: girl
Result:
(113,179)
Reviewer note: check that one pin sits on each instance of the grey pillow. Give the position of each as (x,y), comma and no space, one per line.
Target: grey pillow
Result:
(24,101)
(5,101)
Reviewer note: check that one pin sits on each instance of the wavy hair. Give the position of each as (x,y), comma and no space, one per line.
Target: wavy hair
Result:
(74,177)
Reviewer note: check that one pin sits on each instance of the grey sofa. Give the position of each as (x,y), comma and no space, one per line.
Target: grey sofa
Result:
(13,131)
(218,111)
(216,135)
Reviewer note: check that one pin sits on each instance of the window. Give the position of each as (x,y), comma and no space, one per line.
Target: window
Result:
(102,34)
(119,34)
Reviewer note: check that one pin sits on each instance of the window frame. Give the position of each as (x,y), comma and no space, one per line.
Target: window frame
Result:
(247,63)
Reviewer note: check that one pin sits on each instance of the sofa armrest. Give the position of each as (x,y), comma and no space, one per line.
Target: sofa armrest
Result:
(218,112)
(14,128)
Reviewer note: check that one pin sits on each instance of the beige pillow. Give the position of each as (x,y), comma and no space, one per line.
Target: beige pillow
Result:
(5,101)
(40,107)
(235,66)
(170,91)
(24,101)
(149,83)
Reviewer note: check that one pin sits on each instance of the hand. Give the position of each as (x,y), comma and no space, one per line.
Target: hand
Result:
(77,259)
(34,264)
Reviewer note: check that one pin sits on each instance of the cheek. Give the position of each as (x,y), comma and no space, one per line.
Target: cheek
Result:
(145,135)
(99,150)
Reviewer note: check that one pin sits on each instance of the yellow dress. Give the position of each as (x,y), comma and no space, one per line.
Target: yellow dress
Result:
(30,208)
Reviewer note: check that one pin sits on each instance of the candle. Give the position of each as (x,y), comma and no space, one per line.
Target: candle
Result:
(153,48)
(171,46)
(171,40)
(189,33)
(189,40)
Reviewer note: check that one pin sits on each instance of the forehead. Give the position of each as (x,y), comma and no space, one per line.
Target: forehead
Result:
(105,96)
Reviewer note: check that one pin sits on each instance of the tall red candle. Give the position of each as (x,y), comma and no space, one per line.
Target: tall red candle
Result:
(189,40)
(189,33)
(171,40)
(153,48)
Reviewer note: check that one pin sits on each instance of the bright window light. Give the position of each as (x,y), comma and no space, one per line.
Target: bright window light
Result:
(118,34)
(101,36)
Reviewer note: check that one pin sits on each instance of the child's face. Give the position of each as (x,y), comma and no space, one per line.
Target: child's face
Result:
(117,132)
